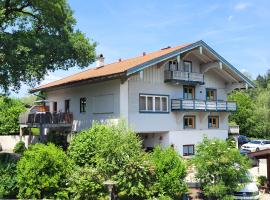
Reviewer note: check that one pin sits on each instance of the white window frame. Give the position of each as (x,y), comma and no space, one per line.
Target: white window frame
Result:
(154,103)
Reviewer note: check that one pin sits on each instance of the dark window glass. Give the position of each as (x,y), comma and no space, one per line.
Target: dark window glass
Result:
(213,122)
(189,121)
(67,105)
(188,150)
(55,106)
(211,94)
(189,92)
(82,104)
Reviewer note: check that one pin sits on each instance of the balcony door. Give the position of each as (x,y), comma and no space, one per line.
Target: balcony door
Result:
(211,94)
(187,66)
(189,92)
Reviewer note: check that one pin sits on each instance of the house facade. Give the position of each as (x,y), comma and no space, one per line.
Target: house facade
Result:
(171,97)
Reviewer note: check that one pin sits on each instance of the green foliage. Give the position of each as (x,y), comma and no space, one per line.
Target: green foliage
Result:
(105,146)
(220,169)
(253,114)
(170,172)
(38,36)
(8,180)
(19,147)
(262,180)
(115,152)
(86,183)
(10,110)
(244,114)
(42,172)
(135,180)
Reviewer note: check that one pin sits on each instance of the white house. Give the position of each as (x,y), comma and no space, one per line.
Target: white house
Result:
(173,96)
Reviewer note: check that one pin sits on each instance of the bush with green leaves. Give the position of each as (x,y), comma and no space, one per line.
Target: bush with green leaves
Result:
(86,183)
(115,152)
(42,172)
(221,169)
(261,180)
(19,147)
(10,110)
(170,172)
(8,176)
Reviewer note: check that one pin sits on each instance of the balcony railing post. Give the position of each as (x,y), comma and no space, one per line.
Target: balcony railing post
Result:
(216,106)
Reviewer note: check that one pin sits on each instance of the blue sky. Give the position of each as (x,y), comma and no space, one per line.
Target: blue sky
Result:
(238,30)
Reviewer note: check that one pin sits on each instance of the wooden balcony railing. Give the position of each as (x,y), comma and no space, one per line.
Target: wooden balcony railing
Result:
(183,76)
(184,104)
(45,118)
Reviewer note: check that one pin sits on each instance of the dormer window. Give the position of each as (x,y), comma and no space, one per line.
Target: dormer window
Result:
(173,65)
(187,66)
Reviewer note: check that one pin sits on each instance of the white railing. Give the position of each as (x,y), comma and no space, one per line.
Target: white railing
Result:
(184,104)
(183,76)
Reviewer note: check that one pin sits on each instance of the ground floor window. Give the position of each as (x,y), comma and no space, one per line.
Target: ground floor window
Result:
(189,122)
(188,150)
(83,104)
(153,103)
(213,122)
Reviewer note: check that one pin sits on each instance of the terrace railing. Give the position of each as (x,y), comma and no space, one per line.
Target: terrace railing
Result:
(202,105)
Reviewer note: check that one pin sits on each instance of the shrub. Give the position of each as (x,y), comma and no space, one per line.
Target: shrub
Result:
(42,172)
(19,147)
(8,180)
(86,183)
(115,152)
(170,172)
(262,180)
(135,180)
(10,110)
(221,169)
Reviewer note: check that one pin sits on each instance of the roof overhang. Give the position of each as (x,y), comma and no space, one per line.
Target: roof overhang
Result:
(190,47)
(81,82)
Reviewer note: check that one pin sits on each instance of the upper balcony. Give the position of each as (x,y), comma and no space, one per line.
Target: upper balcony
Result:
(181,76)
(46,119)
(201,105)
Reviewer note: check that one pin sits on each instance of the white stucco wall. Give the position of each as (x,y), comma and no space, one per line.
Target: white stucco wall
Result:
(188,137)
(103,102)
(8,142)
(152,82)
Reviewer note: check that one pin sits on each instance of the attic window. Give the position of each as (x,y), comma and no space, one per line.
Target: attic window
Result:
(173,65)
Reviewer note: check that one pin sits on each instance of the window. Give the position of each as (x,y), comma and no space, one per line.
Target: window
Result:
(189,122)
(211,94)
(187,66)
(213,122)
(188,150)
(189,92)
(173,65)
(67,105)
(55,106)
(83,104)
(153,103)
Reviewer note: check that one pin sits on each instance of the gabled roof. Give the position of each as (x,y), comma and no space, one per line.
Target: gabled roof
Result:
(133,65)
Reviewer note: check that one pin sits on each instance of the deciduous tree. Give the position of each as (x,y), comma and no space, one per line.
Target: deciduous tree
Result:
(36,37)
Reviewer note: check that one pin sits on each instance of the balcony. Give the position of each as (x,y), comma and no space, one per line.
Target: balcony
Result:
(181,76)
(201,105)
(46,119)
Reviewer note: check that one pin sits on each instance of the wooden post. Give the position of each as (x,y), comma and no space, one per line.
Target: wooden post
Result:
(268,171)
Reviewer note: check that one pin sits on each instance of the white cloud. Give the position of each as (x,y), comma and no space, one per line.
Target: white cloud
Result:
(242,6)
